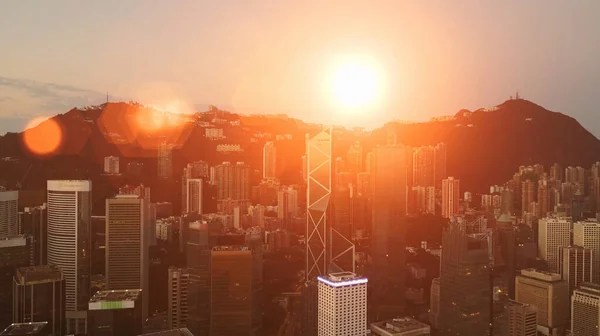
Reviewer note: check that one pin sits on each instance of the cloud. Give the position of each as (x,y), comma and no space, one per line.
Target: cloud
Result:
(24,99)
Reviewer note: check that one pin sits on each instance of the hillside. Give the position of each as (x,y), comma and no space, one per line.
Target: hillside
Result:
(484,146)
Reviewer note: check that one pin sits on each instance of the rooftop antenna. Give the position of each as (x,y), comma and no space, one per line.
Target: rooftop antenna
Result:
(517,96)
(107,97)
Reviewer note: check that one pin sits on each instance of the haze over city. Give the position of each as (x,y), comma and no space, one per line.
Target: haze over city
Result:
(435,57)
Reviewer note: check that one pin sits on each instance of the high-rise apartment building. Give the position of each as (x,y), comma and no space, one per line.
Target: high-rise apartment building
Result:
(165,160)
(177,310)
(127,245)
(8,212)
(111,165)
(585,310)
(116,313)
(33,221)
(439,164)
(522,319)
(69,245)
(543,199)
(553,233)
(342,304)
(231,291)
(556,172)
(39,296)
(465,287)
(15,252)
(354,158)
(527,195)
(434,303)
(549,294)
(450,197)
(576,266)
(318,194)
(233,181)
(192,203)
(389,208)
(587,234)
(269,160)
(423,166)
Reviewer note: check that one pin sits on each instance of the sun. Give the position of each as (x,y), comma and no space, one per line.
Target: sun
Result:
(356,84)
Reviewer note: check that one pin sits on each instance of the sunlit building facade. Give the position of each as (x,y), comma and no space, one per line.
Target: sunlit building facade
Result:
(342,305)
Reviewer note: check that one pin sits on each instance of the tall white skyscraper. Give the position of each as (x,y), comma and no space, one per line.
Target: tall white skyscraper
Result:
(127,242)
(342,305)
(165,160)
(576,266)
(450,197)
(553,233)
(269,160)
(9,219)
(585,310)
(177,313)
(318,193)
(587,234)
(69,245)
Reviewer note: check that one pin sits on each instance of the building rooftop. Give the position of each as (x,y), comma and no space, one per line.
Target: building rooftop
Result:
(230,248)
(541,275)
(22,329)
(172,332)
(114,299)
(13,241)
(589,288)
(38,274)
(400,326)
(342,279)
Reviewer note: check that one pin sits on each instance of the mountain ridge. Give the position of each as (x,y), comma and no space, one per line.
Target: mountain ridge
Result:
(485,146)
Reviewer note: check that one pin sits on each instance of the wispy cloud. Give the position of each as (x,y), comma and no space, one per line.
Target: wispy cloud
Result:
(23,99)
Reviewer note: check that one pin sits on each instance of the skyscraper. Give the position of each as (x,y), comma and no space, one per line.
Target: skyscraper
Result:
(549,294)
(39,296)
(587,234)
(450,197)
(522,319)
(439,164)
(424,166)
(342,305)
(231,291)
(8,212)
(33,221)
(269,160)
(69,245)
(575,266)
(389,207)
(15,252)
(127,246)
(233,181)
(585,310)
(318,153)
(354,158)
(527,195)
(341,247)
(165,160)
(553,232)
(465,287)
(111,165)
(177,311)
(193,196)
(116,313)
(198,265)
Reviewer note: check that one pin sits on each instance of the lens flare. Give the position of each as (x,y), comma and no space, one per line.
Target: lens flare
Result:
(43,136)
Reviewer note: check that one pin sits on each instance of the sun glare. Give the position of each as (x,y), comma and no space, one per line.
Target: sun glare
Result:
(43,136)
(356,84)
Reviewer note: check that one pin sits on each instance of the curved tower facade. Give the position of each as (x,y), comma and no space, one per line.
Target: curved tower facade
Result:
(69,245)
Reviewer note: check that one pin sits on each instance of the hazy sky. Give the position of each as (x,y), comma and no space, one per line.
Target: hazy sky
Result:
(273,56)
